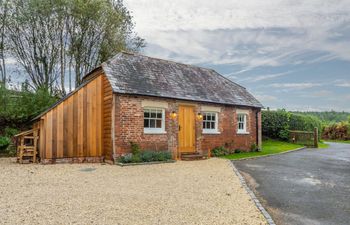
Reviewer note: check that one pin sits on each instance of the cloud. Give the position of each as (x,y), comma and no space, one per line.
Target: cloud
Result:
(251,33)
(264,77)
(295,86)
(346,84)
(266,98)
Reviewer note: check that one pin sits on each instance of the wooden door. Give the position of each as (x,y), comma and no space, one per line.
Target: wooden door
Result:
(186,129)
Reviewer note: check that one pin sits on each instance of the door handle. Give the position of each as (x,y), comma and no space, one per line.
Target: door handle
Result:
(179,127)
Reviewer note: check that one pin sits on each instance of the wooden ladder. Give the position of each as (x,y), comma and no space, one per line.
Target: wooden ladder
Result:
(27,148)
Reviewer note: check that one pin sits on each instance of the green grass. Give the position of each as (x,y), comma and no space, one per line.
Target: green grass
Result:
(268,147)
(338,141)
(321,144)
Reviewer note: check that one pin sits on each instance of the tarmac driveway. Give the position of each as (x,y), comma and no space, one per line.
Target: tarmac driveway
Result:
(310,186)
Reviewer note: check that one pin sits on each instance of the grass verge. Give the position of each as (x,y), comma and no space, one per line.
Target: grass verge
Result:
(268,147)
(338,141)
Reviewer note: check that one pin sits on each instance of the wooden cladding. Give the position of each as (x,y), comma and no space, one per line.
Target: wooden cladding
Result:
(107,118)
(75,127)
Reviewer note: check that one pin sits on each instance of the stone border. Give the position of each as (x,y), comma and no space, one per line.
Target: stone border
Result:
(252,196)
(144,163)
(262,156)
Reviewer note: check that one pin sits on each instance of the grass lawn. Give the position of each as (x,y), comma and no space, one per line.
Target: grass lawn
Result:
(321,144)
(268,147)
(338,141)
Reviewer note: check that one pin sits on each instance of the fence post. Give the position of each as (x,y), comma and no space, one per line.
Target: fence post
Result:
(316,137)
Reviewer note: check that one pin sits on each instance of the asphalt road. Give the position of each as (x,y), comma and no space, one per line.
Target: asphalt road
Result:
(310,186)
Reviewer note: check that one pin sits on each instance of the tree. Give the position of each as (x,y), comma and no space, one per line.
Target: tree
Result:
(3,21)
(57,37)
(33,32)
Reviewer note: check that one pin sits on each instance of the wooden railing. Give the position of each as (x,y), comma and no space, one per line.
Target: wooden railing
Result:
(27,146)
(307,138)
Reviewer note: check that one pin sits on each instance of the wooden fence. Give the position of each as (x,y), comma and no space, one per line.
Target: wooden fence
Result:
(307,138)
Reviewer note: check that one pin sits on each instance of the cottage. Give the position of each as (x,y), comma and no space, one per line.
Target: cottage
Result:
(159,104)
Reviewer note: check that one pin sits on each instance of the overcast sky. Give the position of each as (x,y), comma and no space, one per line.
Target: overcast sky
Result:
(290,54)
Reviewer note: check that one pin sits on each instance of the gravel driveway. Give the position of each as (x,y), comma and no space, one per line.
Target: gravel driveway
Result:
(310,186)
(197,192)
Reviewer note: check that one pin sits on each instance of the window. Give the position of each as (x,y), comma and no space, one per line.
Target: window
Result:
(242,123)
(153,120)
(210,122)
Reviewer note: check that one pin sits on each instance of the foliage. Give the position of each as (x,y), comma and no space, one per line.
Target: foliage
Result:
(19,107)
(277,124)
(135,148)
(145,156)
(337,131)
(51,38)
(328,116)
(4,143)
(254,147)
(220,151)
(269,147)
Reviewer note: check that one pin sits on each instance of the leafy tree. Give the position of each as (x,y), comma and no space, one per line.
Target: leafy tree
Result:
(52,38)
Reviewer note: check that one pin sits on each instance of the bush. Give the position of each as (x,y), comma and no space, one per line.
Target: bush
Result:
(277,124)
(145,156)
(238,151)
(135,148)
(220,151)
(4,143)
(254,148)
(337,131)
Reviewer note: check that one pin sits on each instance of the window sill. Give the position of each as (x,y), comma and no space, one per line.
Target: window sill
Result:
(154,132)
(242,132)
(211,132)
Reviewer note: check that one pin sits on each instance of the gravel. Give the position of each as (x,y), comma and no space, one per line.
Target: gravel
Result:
(196,192)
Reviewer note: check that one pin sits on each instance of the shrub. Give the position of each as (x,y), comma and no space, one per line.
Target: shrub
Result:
(220,151)
(276,124)
(238,151)
(10,132)
(145,156)
(337,131)
(254,147)
(4,143)
(135,148)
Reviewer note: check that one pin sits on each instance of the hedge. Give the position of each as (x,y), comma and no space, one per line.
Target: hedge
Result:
(277,124)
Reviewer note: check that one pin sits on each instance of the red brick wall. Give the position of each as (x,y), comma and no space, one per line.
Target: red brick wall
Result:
(129,127)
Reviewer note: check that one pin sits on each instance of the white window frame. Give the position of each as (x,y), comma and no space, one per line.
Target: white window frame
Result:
(148,130)
(245,123)
(211,131)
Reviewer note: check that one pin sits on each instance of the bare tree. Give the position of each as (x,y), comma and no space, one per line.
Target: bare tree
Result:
(3,21)
(53,38)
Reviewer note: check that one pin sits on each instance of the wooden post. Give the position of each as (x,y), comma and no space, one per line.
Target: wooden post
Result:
(316,137)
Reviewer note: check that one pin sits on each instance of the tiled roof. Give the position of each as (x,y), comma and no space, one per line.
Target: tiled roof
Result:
(137,74)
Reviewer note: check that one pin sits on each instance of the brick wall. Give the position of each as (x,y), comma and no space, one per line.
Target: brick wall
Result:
(129,126)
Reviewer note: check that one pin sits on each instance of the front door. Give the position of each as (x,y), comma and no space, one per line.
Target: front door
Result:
(187,129)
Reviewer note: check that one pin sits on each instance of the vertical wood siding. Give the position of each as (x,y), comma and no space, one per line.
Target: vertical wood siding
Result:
(80,126)
(107,119)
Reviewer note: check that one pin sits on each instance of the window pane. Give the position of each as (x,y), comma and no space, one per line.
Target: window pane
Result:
(212,125)
(208,125)
(208,117)
(159,114)
(213,117)
(152,123)
(153,114)
(159,124)
(146,123)
(146,114)
(205,116)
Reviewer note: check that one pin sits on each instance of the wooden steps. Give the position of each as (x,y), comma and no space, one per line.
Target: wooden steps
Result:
(27,146)
(190,156)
